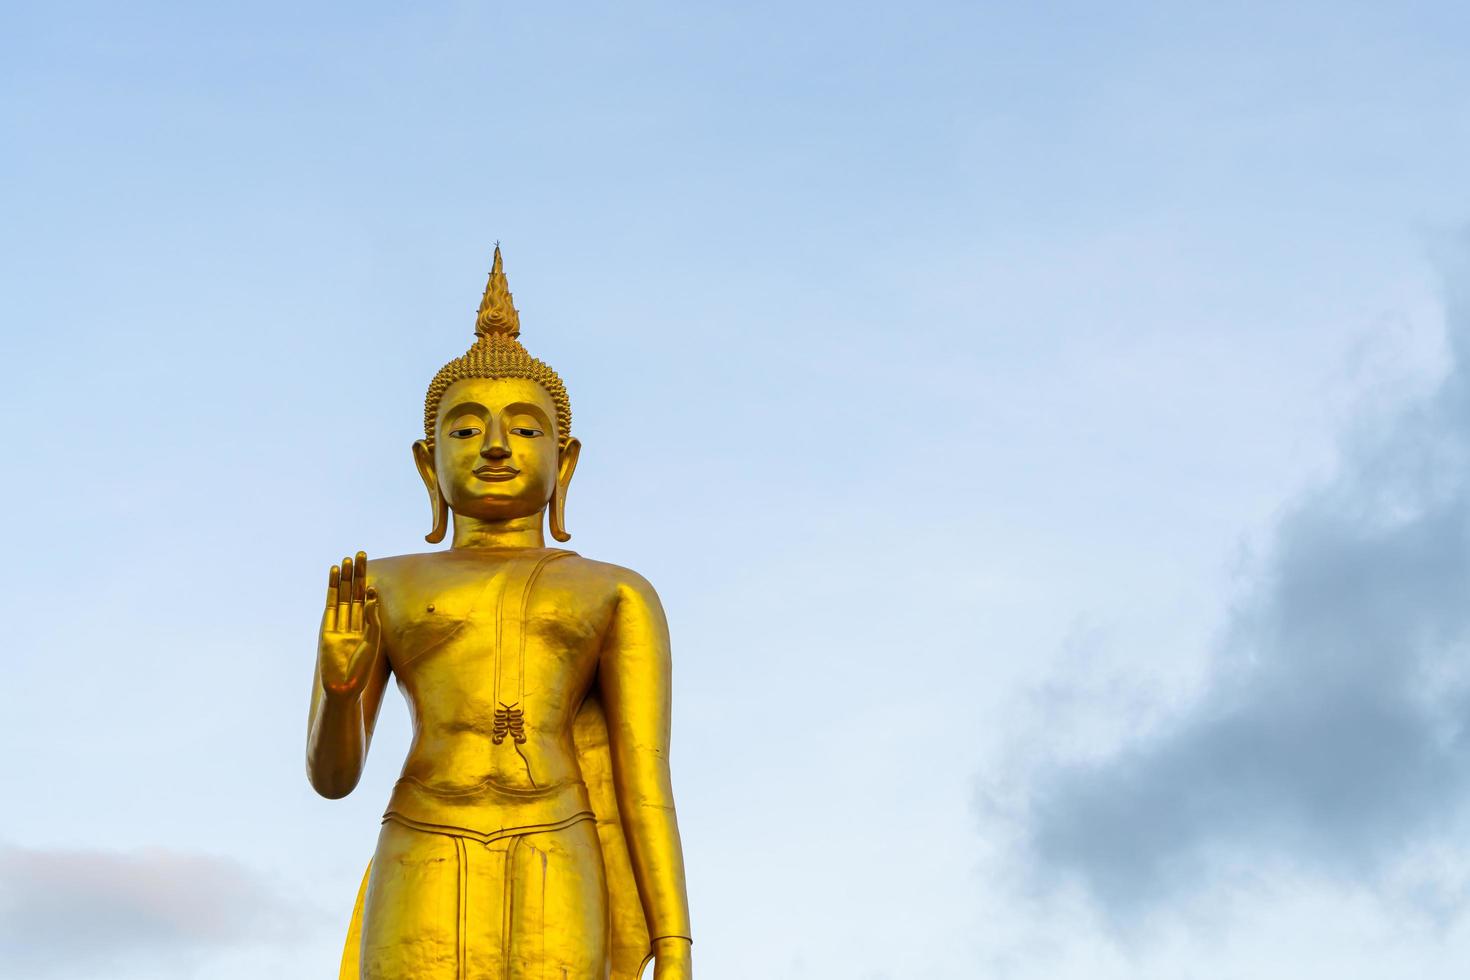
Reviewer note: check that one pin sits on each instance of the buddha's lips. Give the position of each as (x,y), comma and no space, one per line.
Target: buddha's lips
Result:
(496,472)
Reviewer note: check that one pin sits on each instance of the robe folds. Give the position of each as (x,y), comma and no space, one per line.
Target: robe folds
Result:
(476,930)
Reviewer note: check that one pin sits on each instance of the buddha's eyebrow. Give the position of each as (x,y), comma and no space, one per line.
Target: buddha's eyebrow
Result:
(529,407)
(461,407)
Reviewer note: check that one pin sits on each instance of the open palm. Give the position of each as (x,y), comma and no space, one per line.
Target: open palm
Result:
(350,635)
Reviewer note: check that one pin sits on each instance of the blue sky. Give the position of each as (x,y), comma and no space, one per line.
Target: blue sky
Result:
(1046,428)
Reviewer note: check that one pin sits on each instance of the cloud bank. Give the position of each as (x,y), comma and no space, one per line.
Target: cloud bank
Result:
(1332,734)
(71,912)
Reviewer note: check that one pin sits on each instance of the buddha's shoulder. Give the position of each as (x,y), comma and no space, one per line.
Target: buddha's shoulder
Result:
(601,575)
(397,566)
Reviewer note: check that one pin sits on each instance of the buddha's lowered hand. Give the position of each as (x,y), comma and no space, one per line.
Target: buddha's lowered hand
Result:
(672,959)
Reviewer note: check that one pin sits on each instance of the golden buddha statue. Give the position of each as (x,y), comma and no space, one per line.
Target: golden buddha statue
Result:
(532,833)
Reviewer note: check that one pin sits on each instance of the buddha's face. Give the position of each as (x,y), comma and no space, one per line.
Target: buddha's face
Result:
(495,447)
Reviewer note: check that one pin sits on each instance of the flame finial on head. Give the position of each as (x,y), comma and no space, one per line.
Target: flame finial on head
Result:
(497,311)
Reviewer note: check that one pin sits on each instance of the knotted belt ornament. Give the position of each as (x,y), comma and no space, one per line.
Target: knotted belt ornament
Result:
(509,720)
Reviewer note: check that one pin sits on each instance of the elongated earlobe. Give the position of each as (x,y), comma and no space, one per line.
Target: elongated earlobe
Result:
(565,468)
(423,458)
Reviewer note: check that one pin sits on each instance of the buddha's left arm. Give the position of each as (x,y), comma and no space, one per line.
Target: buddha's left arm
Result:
(635,685)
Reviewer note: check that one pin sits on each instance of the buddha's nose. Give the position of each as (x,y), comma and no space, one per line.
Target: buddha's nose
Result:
(494,449)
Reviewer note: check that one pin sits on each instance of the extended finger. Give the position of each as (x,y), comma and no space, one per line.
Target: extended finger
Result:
(359,576)
(329,618)
(359,581)
(344,595)
(344,582)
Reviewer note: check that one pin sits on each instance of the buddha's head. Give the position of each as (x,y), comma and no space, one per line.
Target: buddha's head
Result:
(497,426)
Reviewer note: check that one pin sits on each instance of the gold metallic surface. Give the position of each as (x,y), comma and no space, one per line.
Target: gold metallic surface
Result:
(533,832)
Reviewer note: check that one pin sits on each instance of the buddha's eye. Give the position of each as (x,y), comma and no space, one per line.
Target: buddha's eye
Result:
(468,432)
(529,433)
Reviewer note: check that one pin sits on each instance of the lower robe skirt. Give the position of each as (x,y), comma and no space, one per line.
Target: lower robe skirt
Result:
(446,907)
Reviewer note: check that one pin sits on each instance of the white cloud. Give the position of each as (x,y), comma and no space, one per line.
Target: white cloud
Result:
(80,912)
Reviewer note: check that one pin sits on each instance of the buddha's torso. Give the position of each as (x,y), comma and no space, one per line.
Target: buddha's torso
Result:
(495,651)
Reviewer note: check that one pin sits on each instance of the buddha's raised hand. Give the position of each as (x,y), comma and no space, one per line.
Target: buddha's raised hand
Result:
(348,646)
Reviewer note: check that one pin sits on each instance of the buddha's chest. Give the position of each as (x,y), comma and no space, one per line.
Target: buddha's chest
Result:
(494,633)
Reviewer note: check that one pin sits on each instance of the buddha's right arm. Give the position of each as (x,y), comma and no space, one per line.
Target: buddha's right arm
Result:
(347,688)
(339,731)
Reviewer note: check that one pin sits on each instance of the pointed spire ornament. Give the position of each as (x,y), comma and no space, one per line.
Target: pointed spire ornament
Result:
(497,311)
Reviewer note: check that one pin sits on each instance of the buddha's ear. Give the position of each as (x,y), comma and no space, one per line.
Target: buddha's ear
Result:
(423,458)
(566,466)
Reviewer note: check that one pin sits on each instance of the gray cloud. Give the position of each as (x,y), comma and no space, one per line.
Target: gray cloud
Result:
(1332,733)
(64,912)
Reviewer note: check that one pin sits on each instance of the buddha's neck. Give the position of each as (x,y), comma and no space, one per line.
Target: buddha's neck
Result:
(518,532)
